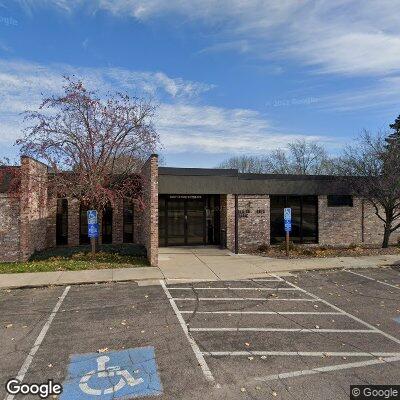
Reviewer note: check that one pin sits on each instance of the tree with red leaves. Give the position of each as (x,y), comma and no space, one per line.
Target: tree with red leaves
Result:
(94,146)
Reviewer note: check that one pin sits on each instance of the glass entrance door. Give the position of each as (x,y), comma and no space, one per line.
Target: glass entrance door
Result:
(176,222)
(195,221)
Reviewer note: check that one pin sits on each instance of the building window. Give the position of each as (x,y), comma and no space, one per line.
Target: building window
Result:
(107,222)
(128,221)
(62,222)
(304,218)
(83,225)
(340,201)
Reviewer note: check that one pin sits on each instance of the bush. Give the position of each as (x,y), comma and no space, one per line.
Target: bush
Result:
(264,248)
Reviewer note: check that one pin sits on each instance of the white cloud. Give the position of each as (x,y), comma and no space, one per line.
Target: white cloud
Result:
(341,36)
(182,125)
(219,130)
(22,83)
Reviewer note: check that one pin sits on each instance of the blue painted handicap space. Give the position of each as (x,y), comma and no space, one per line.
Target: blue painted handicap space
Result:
(126,374)
(397,319)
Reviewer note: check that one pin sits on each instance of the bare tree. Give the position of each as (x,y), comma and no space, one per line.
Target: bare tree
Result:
(94,147)
(301,158)
(373,168)
(245,164)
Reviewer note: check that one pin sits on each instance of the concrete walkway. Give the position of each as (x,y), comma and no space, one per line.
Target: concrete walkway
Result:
(205,263)
(195,264)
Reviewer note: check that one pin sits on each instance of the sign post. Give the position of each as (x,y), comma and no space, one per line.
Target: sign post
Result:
(287,219)
(93,228)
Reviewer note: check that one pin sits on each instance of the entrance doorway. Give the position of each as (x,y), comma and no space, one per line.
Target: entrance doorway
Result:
(188,220)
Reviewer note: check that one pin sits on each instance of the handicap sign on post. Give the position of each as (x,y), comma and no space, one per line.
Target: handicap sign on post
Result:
(126,374)
(93,230)
(287,218)
(93,226)
(92,217)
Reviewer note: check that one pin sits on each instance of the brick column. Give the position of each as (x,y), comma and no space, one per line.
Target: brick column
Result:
(228,219)
(33,207)
(51,222)
(73,222)
(149,218)
(118,222)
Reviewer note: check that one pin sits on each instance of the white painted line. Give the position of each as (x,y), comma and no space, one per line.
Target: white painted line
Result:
(330,368)
(269,280)
(301,330)
(28,360)
(237,299)
(387,335)
(265,312)
(301,353)
(371,279)
(202,362)
(231,288)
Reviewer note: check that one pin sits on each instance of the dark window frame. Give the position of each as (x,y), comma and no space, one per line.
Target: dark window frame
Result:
(62,222)
(340,200)
(286,201)
(125,206)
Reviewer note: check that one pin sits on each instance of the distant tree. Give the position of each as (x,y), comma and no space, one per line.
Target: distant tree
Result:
(94,147)
(301,158)
(245,164)
(373,171)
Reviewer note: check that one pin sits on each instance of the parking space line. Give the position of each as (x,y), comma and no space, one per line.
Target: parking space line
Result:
(266,312)
(319,370)
(25,366)
(301,330)
(200,358)
(231,288)
(371,279)
(238,299)
(387,335)
(301,353)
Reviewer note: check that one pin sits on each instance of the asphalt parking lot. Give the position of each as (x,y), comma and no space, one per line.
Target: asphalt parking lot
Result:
(305,336)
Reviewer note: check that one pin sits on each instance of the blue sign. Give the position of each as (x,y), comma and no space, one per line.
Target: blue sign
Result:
(123,374)
(93,230)
(287,218)
(92,217)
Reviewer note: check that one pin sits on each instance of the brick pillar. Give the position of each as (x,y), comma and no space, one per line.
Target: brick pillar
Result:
(228,219)
(118,222)
(51,221)
(33,207)
(73,222)
(149,218)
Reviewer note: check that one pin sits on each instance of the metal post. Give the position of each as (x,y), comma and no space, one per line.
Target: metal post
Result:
(287,244)
(93,243)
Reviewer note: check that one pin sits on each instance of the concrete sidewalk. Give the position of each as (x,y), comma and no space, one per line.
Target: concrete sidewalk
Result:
(205,263)
(195,264)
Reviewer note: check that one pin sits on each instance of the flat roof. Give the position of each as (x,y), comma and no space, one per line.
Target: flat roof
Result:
(230,181)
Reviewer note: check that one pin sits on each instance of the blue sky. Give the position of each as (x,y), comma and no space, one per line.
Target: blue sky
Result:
(230,77)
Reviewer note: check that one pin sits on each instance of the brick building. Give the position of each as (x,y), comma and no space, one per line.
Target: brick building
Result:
(190,206)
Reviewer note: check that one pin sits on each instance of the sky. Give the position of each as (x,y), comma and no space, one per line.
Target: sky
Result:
(229,77)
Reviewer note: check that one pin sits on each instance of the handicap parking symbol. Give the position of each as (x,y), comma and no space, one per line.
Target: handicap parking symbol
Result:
(126,374)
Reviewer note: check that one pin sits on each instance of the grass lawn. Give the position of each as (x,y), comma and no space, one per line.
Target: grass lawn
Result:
(80,258)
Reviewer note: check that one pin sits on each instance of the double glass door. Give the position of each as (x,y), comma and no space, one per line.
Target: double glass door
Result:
(182,220)
(185,222)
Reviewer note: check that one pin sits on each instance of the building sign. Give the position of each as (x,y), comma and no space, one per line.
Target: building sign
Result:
(185,196)
(287,219)
(93,226)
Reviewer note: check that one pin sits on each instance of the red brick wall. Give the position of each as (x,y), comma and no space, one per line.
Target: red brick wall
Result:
(149,217)
(9,228)
(33,207)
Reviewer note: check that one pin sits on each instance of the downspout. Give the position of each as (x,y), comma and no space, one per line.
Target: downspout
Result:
(236,224)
